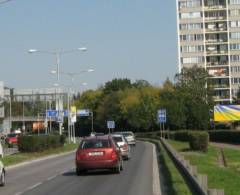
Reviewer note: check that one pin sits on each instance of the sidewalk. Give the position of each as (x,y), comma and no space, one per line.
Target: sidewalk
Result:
(224,145)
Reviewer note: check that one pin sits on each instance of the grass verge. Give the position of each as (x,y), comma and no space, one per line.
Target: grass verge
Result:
(227,178)
(21,157)
(172,182)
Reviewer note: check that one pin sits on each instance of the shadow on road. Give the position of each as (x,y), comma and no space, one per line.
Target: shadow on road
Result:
(89,173)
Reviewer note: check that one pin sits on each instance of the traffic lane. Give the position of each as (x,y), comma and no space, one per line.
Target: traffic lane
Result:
(21,178)
(135,179)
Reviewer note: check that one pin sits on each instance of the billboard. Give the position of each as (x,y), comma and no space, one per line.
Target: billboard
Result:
(224,113)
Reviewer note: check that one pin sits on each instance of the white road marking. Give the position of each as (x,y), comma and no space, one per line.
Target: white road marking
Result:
(34,186)
(51,178)
(18,193)
(156,180)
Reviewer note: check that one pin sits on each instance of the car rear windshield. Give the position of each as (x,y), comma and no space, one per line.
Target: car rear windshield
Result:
(117,139)
(87,144)
(12,135)
(127,134)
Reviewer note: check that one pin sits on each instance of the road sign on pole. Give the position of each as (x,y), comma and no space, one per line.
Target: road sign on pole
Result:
(111,124)
(52,113)
(162,116)
(83,112)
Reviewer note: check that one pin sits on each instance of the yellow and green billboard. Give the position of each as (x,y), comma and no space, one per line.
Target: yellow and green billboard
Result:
(224,113)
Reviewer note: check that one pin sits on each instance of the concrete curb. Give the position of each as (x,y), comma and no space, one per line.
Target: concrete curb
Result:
(38,160)
(156,178)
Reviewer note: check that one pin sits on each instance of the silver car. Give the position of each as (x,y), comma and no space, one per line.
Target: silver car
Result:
(123,145)
(2,174)
(129,135)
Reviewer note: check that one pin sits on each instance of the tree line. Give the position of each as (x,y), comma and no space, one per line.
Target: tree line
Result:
(134,105)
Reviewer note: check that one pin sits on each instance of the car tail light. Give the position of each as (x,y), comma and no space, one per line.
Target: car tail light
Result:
(79,155)
(114,154)
(125,147)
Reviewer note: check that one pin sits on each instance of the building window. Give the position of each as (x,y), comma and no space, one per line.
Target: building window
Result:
(235,80)
(235,46)
(235,58)
(191,37)
(191,49)
(235,35)
(193,60)
(234,2)
(234,24)
(193,26)
(190,15)
(234,12)
(187,4)
(235,69)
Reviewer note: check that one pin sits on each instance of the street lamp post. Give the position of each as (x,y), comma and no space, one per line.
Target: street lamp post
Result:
(57,55)
(72,75)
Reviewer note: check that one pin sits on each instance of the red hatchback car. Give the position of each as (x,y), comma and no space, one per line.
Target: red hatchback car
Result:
(12,139)
(98,152)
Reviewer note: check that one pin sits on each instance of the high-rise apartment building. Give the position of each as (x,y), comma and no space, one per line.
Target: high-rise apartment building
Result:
(209,36)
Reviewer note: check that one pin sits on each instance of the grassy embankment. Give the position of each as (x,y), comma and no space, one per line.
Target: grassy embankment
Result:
(227,178)
(21,157)
(172,182)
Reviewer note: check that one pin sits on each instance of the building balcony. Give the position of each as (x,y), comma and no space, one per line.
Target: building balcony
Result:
(219,86)
(216,52)
(217,63)
(216,41)
(215,7)
(217,18)
(217,30)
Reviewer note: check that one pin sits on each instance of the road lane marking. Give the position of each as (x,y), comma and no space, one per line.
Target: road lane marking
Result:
(34,186)
(51,178)
(18,193)
(156,180)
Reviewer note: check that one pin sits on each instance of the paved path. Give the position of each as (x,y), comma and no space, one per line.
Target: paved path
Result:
(223,145)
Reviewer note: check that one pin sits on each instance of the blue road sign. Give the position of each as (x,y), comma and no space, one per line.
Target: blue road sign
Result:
(111,124)
(83,112)
(162,116)
(52,113)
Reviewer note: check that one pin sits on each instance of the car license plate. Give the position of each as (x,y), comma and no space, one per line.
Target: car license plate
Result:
(95,153)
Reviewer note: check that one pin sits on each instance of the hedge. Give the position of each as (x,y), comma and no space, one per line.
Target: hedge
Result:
(225,136)
(40,143)
(198,140)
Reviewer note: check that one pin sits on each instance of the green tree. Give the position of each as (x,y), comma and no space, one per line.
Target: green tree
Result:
(116,85)
(197,97)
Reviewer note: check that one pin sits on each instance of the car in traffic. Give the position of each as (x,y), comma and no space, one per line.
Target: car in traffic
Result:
(12,139)
(130,137)
(98,152)
(122,143)
(2,174)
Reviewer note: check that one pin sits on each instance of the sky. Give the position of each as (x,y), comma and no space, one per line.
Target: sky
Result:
(135,39)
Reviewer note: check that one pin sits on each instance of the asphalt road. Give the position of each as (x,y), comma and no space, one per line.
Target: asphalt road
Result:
(57,176)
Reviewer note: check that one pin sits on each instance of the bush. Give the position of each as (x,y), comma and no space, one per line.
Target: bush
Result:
(40,143)
(225,136)
(198,140)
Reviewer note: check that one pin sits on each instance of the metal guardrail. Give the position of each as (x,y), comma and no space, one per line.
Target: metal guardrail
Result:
(199,181)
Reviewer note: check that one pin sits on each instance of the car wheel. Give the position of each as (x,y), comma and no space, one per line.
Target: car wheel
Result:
(79,171)
(121,167)
(2,179)
(118,168)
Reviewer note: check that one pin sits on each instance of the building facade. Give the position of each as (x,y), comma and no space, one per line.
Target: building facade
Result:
(209,37)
